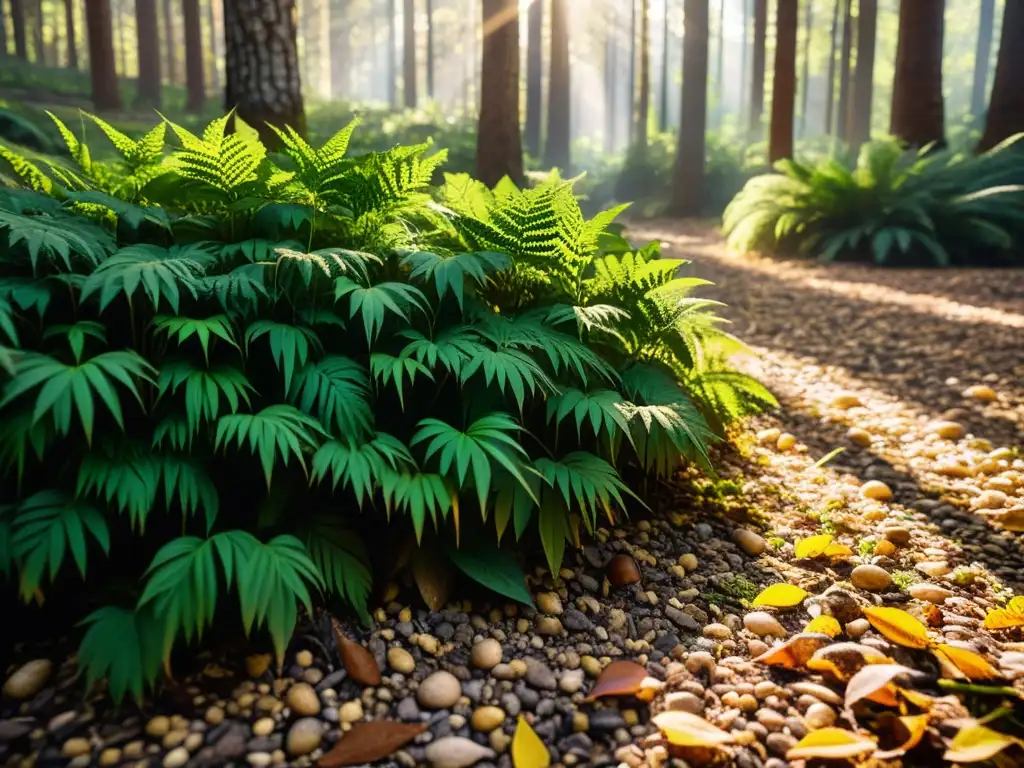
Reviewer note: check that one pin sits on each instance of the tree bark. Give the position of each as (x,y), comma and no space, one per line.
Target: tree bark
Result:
(122,45)
(843,123)
(663,82)
(430,50)
(534,77)
(1006,107)
(720,66)
(864,75)
(37,32)
(3,31)
(106,96)
(392,73)
(805,77)
(170,52)
(409,53)
(262,65)
(18,25)
(784,80)
(148,48)
(194,75)
(644,103)
(69,33)
(986,23)
(757,75)
(213,19)
(341,50)
(499,149)
(611,79)
(631,121)
(917,105)
(833,52)
(688,174)
(558,153)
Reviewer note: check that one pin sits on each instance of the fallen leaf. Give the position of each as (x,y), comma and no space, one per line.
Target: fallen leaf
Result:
(649,688)
(359,662)
(933,615)
(780,596)
(844,660)
(968,663)
(975,743)
(370,742)
(913,729)
(874,682)
(824,625)
(835,549)
(1011,615)
(434,577)
(898,626)
(830,744)
(1012,519)
(620,678)
(812,546)
(687,730)
(918,699)
(795,652)
(528,751)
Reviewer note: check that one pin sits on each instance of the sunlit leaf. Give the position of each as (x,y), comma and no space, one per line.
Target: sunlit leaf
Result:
(976,743)
(824,625)
(913,728)
(898,626)
(688,730)
(843,660)
(620,678)
(967,663)
(873,682)
(528,751)
(812,546)
(795,652)
(781,596)
(831,744)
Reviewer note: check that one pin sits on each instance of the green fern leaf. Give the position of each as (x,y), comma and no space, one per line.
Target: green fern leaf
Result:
(205,389)
(277,433)
(450,273)
(160,272)
(388,369)
(203,328)
(602,409)
(336,390)
(290,345)
(54,239)
(419,495)
(450,348)
(588,480)
(374,302)
(360,467)
(123,647)
(76,335)
(341,556)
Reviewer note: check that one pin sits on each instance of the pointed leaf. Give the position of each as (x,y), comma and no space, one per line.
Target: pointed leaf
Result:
(781,596)
(898,626)
(687,730)
(831,744)
(528,751)
(367,743)
(620,678)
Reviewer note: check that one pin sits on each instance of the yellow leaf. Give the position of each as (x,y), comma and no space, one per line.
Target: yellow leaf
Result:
(835,549)
(686,730)
(812,546)
(528,751)
(1001,618)
(1016,606)
(824,625)
(918,699)
(970,664)
(830,744)
(1012,519)
(898,626)
(975,743)
(874,682)
(915,726)
(781,596)
(795,652)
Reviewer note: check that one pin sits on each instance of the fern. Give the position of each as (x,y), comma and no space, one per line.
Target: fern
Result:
(277,433)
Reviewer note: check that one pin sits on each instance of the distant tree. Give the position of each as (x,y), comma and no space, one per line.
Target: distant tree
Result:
(106,95)
(780,143)
(864,75)
(805,76)
(69,33)
(631,121)
(260,38)
(3,31)
(1006,106)
(409,53)
(982,54)
(720,65)
(148,51)
(688,174)
(534,77)
(917,106)
(430,50)
(558,152)
(833,55)
(37,31)
(195,79)
(757,74)
(663,81)
(213,27)
(341,50)
(499,148)
(18,27)
(643,111)
(391,73)
(611,78)
(846,57)
(170,48)
(120,25)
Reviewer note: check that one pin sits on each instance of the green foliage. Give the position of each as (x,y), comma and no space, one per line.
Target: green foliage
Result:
(891,207)
(465,364)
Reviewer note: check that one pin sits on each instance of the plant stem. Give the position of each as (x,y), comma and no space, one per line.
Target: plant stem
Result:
(984,690)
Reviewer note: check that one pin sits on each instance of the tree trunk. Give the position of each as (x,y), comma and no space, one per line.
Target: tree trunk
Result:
(409,53)
(170,52)
(611,79)
(1006,108)
(720,66)
(784,80)
(744,64)
(3,31)
(122,45)
(499,149)
(37,32)
(843,123)
(392,73)
(805,77)
(917,106)
(147,45)
(213,19)
(864,75)
(106,96)
(341,50)
(18,25)
(631,122)
(757,75)
(534,77)
(983,52)
(833,52)
(663,83)
(194,76)
(262,65)
(688,174)
(69,33)
(558,153)
(430,50)
(644,105)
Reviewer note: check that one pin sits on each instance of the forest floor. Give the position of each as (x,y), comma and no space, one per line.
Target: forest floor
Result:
(918,376)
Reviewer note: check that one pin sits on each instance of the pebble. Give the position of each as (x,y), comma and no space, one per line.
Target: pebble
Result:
(819,715)
(571,681)
(486,654)
(876,490)
(769,436)
(351,711)
(401,661)
(684,701)
(158,726)
(859,436)
(75,747)
(820,692)
(259,759)
(897,534)
(981,392)
(456,752)
(991,500)
(540,676)
(302,700)
(486,719)
(549,602)
(780,743)
(749,542)
(28,679)
(857,627)
(688,561)
(214,716)
(763,624)
(304,736)
(785,442)
(717,632)
(549,626)
(263,727)
(176,758)
(871,578)
(110,756)
(304,659)
(947,430)
(440,690)
(930,593)
(846,401)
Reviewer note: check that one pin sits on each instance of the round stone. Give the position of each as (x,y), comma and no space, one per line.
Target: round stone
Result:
(75,747)
(549,602)
(871,578)
(819,716)
(302,700)
(717,632)
(263,727)
(158,726)
(897,534)
(876,490)
(859,436)
(688,561)
(176,758)
(440,690)
(857,627)
(486,654)
(785,442)
(763,624)
(214,716)
(549,626)
(930,593)
(947,430)
(846,401)
(28,679)
(981,392)
(749,541)
(456,752)
(304,736)
(401,661)
(769,436)
(351,711)
(486,719)
(304,659)
(571,681)
(991,500)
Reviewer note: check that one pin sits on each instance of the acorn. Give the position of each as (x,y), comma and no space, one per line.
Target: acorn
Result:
(622,570)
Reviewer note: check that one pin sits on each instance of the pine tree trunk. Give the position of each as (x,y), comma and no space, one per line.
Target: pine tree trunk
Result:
(37,32)
(262,65)
(430,50)
(499,150)
(106,96)
(864,75)
(534,77)
(805,76)
(643,111)
(917,106)
(631,121)
(122,45)
(409,53)
(843,121)
(69,33)
(147,43)
(745,64)
(194,75)
(558,153)
(663,81)
(18,25)
(1006,106)
(688,174)
(830,91)
(170,52)
(757,76)
(3,31)
(720,66)
(213,20)
(986,23)
(784,80)
(611,80)
(392,73)
(341,50)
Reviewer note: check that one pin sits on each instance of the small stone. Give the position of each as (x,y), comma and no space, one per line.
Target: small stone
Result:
(540,676)
(859,436)
(174,738)
(930,593)
(846,401)
(570,682)
(456,752)
(401,661)
(351,711)
(486,654)
(430,644)
(818,691)
(214,716)
(717,632)
(176,758)
(302,700)
(580,722)
(780,743)
(549,602)
(684,701)
(259,759)
(749,542)
(688,561)
(28,679)
(110,756)
(947,430)
(304,659)
(550,626)
(158,726)
(763,624)
(857,627)
(897,534)
(885,548)
(876,490)
(486,719)
(75,747)
(785,442)
(257,664)
(769,436)
(981,392)
(263,727)
(819,716)
(871,578)
(440,690)
(933,570)
(194,741)
(304,736)
(590,665)
(991,500)
(499,740)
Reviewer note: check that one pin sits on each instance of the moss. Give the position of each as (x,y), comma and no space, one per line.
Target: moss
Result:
(904,579)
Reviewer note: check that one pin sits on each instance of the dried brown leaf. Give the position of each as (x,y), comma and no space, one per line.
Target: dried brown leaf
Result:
(907,732)
(434,577)
(370,742)
(359,662)
(620,678)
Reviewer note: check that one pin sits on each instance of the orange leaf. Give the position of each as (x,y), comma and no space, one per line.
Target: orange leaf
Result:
(824,625)
(370,742)
(835,549)
(359,662)
(874,682)
(918,699)
(975,743)
(795,652)
(968,663)
(830,744)
(687,730)
(620,678)
(898,626)
(844,660)
(913,729)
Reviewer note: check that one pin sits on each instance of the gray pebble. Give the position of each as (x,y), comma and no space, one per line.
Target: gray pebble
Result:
(540,676)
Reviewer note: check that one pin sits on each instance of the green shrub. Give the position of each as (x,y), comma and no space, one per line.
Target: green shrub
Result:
(214,361)
(892,207)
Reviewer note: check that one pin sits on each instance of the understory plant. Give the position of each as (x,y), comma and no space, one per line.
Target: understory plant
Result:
(224,371)
(892,207)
